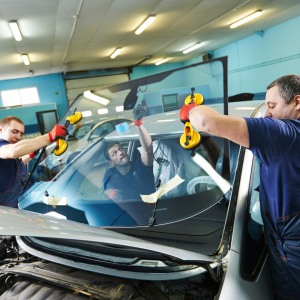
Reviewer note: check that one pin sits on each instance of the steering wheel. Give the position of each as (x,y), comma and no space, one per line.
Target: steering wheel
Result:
(191,187)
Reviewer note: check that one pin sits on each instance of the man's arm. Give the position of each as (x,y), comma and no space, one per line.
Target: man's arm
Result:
(146,142)
(24,147)
(206,119)
(26,159)
(138,114)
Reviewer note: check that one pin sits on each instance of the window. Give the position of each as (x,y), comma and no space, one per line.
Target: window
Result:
(254,246)
(170,102)
(20,97)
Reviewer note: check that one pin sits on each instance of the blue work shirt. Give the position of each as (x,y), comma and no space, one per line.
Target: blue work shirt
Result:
(138,181)
(276,143)
(8,170)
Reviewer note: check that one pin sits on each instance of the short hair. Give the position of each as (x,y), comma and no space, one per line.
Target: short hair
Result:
(110,145)
(7,120)
(289,87)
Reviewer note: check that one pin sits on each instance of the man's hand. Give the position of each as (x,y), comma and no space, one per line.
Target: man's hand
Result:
(58,132)
(34,154)
(139,113)
(184,112)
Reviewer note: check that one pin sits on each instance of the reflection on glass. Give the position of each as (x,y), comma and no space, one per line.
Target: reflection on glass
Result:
(96,189)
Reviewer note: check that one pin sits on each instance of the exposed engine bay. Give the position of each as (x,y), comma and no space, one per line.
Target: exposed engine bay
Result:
(23,276)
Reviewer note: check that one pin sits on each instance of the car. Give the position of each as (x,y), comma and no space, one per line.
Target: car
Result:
(201,238)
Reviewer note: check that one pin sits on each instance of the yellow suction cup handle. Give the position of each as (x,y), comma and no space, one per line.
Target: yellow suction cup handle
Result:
(61,147)
(198,98)
(190,139)
(75,118)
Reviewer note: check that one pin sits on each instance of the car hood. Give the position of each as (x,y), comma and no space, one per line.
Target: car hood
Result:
(17,222)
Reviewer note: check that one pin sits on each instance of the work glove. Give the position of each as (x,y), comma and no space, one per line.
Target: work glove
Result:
(139,113)
(34,154)
(58,132)
(184,112)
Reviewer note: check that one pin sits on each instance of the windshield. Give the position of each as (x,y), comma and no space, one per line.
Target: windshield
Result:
(163,92)
(98,194)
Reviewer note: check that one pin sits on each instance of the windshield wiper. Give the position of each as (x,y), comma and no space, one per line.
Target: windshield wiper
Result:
(152,219)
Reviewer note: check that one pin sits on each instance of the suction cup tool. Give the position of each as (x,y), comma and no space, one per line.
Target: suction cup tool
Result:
(61,147)
(190,139)
(75,118)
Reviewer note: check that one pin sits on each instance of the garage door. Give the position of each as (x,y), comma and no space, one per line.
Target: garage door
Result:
(75,87)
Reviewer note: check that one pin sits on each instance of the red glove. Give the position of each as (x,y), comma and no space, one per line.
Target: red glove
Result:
(184,112)
(58,132)
(34,154)
(139,113)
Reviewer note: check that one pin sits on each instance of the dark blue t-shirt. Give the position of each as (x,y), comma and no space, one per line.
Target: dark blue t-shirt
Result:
(8,170)
(276,143)
(138,181)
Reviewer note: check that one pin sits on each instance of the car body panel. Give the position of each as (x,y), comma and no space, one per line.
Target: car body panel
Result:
(25,223)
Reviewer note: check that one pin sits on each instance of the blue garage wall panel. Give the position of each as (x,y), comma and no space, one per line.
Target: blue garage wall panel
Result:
(143,71)
(47,85)
(256,61)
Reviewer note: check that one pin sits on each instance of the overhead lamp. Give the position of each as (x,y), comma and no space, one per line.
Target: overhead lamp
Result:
(145,24)
(102,111)
(246,19)
(116,53)
(89,95)
(26,59)
(119,108)
(161,61)
(15,30)
(191,48)
(86,113)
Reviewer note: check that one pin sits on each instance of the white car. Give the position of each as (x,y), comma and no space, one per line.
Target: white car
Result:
(200,238)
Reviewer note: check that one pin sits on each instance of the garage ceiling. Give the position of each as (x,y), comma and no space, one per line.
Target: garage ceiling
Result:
(75,35)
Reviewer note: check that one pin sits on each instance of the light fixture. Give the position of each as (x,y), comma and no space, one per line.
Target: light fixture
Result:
(89,95)
(116,53)
(246,19)
(161,61)
(191,48)
(119,108)
(102,111)
(86,113)
(15,30)
(26,59)
(145,24)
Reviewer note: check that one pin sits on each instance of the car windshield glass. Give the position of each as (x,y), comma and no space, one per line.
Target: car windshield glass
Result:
(97,193)
(163,92)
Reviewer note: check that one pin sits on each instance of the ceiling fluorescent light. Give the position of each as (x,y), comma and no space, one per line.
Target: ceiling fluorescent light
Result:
(89,95)
(191,48)
(161,61)
(119,108)
(116,53)
(244,20)
(145,24)
(15,30)
(26,59)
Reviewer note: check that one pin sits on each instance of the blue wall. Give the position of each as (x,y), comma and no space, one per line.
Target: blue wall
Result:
(256,61)
(47,85)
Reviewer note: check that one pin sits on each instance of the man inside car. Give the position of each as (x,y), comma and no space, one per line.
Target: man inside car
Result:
(127,180)
(275,141)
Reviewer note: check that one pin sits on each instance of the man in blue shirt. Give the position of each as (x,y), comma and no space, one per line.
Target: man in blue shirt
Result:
(14,154)
(126,180)
(275,141)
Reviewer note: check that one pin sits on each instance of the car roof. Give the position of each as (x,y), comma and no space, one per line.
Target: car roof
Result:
(169,123)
